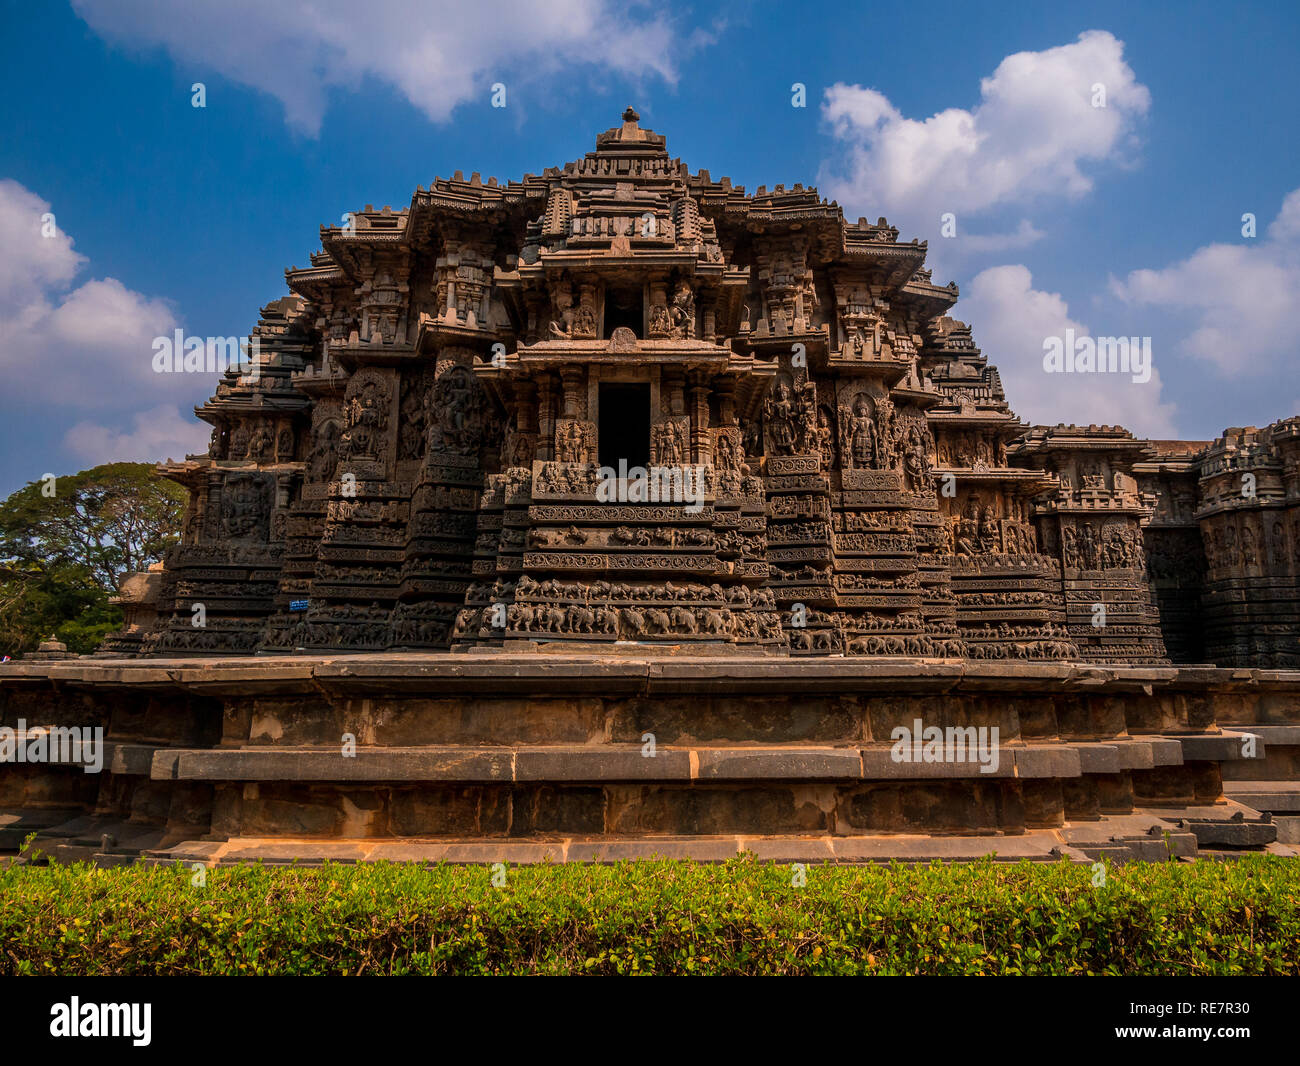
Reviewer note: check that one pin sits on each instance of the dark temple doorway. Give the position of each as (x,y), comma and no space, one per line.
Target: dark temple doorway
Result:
(623,307)
(624,425)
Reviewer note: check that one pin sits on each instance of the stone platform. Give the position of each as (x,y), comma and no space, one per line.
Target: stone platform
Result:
(484,757)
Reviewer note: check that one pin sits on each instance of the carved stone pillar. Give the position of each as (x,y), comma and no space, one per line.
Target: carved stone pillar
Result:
(525,406)
(700,422)
(212,510)
(574,383)
(545,418)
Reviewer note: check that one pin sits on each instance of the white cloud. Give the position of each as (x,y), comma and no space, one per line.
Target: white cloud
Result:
(32,260)
(437,54)
(86,347)
(159,433)
(1239,298)
(82,348)
(1011,320)
(1033,133)
(1024,235)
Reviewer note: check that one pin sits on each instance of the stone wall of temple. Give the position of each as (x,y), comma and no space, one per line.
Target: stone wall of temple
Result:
(1249,517)
(1172,538)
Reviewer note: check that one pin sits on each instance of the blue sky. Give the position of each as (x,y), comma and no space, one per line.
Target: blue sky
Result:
(1123,220)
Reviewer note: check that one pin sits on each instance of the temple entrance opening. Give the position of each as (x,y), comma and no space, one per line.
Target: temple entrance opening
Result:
(623,307)
(624,425)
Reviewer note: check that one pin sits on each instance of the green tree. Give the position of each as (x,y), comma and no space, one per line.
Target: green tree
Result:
(65,548)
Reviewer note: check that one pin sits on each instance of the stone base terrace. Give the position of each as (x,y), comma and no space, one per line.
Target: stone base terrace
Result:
(486,757)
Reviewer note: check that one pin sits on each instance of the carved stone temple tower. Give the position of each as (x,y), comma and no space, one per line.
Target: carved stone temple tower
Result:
(622,403)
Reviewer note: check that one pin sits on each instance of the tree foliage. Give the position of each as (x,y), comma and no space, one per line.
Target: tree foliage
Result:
(65,548)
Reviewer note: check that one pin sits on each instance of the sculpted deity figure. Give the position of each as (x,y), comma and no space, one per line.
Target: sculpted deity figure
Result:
(886,445)
(259,447)
(806,417)
(683,312)
(826,440)
(966,540)
(324,453)
(562,324)
(725,458)
(669,437)
(988,530)
(862,432)
(1248,555)
(239,441)
(661,322)
(916,460)
(366,417)
(1088,547)
(1070,547)
(454,411)
(573,444)
(780,420)
(584,321)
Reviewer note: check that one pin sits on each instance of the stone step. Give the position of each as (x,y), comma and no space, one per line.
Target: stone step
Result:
(1037,847)
(611,762)
(1272,796)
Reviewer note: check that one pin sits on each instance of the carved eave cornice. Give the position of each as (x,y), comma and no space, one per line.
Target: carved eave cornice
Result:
(797,213)
(288,401)
(433,333)
(816,343)
(716,198)
(891,264)
(455,201)
(316,282)
(601,261)
(1005,422)
(1105,504)
(924,398)
(350,356)
(752,387)
(1022,481)
(1116,444)
(689,354)
(330,382)
(1167,467)
(929,299)
(889,372)
(191,473)
(1178,458)
(1232,501)
(381,232)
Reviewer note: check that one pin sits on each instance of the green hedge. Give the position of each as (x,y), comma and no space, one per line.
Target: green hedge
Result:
(743,917)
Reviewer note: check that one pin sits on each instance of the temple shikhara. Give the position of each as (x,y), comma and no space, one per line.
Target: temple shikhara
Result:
(529,472)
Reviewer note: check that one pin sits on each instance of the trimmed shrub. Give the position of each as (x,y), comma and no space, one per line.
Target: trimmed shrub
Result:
(741,917)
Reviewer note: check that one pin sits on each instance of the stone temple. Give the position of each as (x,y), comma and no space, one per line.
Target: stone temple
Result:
(617,511)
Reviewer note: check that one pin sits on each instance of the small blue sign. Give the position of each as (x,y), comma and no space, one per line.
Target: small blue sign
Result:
(298,605)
